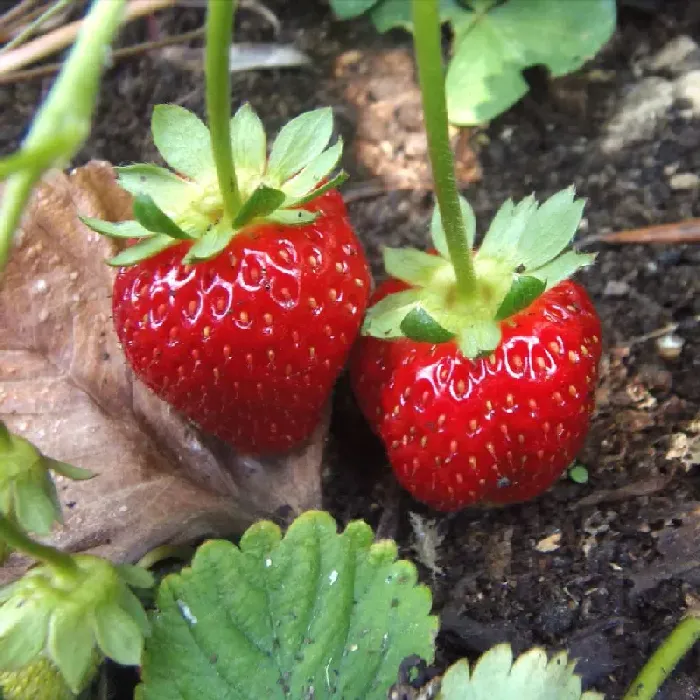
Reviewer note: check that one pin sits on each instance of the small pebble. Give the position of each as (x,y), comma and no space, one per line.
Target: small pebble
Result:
(669,346)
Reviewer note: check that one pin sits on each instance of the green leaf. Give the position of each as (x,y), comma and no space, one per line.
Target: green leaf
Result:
(210,244)
(438,232)
(413,266)
(521,294)
(167,189)
(550,229)
(491,49)
(420,326)
(479,338)
(346,9)
(35,509)
(299,143)
(563,267)
(70,646)
(132,606)
(332,184)
(397,13)
(384,319)
(261,203)
(183,140)
(502,240)
(68,470)
(135,576)
(578,474)
(310,177)
(142,250)
(23,623)
(532,677)
(121,229)
(292,217)
(248,145)
(147,213)
(316,613)
(118,635)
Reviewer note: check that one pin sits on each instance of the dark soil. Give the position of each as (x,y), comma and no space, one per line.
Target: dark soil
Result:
(624,549)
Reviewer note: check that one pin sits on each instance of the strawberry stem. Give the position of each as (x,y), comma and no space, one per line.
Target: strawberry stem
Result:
(427,42)
(21,542)
(662,662)
(218,93)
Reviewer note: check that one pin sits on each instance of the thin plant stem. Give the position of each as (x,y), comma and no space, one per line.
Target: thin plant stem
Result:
(662,662)
(218,94)
(21,542)
(427,41)
(35,25)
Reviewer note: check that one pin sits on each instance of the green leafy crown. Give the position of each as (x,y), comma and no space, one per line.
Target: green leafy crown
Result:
(186,204)
(522,255)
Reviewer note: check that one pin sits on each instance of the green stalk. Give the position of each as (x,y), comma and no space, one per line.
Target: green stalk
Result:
(218,91)
(427,41)
(662,662)
(19,541)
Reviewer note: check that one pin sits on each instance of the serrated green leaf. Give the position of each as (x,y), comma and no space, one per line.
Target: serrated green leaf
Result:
(292,217)
(420,326)
(210,244)
(383,319)
(168,190)
(183,140)
(118,634)
(70,646)
(479,338)
(346,9)
(531,677)
(23,623)
(142,250)
(310,177)
(131,605)
(437,232)
(413,266)
(120,229)
(563,267)
(521,294)
(261,203)
(314,613)
(153,219)
(502,239)
(493,48)
(248,146)
(299,143)
(68,470)
(332,184)
(550,229)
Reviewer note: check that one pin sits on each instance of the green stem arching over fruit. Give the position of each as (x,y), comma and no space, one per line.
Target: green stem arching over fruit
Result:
(427,40)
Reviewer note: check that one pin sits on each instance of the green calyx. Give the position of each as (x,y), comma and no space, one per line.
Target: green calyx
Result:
(522,255)
(186,203)
(27,491)
(69,616)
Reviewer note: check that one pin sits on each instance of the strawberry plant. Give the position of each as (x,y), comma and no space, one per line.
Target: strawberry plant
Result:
(246,286)
(495,40)
(478,370)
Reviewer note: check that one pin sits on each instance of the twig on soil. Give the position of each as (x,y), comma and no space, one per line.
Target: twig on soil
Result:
(62,37)
(659,332)
(16,12)
(676,233)
(31,29)
(118,54)
(363,190)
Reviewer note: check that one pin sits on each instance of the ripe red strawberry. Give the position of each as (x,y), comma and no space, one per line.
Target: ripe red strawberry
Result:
(241,325)
(502,425)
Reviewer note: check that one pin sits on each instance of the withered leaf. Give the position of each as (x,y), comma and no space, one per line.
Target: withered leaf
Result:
(65,386)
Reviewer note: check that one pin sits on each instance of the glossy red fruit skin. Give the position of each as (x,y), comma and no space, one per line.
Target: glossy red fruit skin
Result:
(495,430)
(249,344)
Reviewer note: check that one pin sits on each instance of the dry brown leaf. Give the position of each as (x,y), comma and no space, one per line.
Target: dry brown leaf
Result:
(65,386)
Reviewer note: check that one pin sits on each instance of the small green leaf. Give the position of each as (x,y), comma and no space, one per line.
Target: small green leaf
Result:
(332,184)
(438,233)
(152,218)
(521,294)
(121,229)
(299,143)
(563,267)
(134,609)
(118,635)
(248,145)
(292,217)
(389,14)
(261,203)
(578,474)
(143,250)
(23,623)
(35,509)
(183,140)
(68,470)
(550,229)
(136,576)
(70,646)
(502,240)
(346,9)
(210,244)
(479,338)
(168,190)
(317,614)
(413,266)
(420,326)
(384,319)
(310,177)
